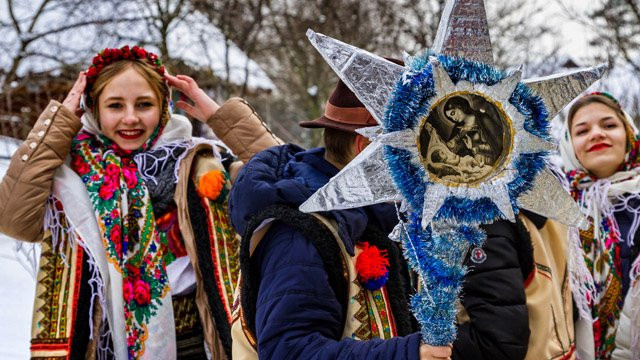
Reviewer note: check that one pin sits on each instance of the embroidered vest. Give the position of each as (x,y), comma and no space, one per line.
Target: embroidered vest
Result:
(369,314)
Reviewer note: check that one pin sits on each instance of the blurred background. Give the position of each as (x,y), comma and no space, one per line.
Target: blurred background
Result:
(257,49)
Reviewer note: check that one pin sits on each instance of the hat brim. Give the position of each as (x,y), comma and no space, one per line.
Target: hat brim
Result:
(324,122)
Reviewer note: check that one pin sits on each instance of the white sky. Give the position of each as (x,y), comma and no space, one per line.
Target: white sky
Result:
(567,16)
(575,34)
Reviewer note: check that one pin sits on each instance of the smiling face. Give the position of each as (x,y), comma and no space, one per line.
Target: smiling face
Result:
(129,109)
(599,139)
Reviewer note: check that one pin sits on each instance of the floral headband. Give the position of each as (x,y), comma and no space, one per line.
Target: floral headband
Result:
(109,56)
(605,94)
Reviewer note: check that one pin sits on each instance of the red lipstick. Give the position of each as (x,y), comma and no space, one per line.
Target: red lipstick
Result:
(130,134)
(598,147)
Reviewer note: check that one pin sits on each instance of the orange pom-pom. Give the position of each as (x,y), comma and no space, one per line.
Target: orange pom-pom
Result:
(211,184)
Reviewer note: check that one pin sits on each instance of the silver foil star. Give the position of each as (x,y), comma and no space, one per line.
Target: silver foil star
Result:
(463,32)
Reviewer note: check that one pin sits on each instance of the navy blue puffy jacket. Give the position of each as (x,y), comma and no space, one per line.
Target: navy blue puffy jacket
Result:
(297,313)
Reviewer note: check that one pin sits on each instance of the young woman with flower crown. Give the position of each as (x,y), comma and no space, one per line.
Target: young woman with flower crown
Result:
(601,158)
(138,257)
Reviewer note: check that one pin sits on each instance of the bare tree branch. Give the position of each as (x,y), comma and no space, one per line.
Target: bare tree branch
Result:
(37,14)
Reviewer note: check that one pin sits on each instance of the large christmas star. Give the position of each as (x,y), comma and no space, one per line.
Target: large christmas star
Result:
(462,33)
(460,143)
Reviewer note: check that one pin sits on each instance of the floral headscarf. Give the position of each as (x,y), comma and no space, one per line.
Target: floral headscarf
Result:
(600,298)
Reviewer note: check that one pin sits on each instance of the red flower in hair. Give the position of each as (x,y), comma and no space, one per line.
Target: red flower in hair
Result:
(141,53)
(92,72)
(108,56)
(97,60)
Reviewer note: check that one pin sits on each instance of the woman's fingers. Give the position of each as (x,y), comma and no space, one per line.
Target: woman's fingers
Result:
(185,85)
(72,101)
(186,107)
(203,106)
(428,352)
(182,82)
(188,79)
(178,83)
(80,83)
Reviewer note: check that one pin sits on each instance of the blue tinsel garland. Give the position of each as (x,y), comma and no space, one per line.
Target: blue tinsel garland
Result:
(438,257)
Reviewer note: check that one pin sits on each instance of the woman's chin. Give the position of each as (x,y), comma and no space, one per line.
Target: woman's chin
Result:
(603,166)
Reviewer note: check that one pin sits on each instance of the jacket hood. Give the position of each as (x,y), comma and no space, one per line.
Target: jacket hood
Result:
(289,175)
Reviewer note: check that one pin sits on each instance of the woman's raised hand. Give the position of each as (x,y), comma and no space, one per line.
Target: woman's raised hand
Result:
(72,101)
(203,106)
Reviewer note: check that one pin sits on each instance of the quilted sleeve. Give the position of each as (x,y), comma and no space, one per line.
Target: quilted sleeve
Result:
(27,184)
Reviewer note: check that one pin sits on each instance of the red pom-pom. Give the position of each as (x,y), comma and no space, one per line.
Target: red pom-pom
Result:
(371,263)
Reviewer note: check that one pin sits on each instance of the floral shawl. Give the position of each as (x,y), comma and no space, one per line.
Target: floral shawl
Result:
(600,199)
(136,252)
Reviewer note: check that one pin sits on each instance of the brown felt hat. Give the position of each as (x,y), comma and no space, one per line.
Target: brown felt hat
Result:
(343,112)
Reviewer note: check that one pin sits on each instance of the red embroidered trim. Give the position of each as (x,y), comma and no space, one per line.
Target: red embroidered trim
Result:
(569,354)
(529,279)
(392,320)
(76,292)
(40,347)
(214,257)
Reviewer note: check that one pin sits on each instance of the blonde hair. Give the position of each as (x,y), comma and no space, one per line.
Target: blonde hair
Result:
(148,72)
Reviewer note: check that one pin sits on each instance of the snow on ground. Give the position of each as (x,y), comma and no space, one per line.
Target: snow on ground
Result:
(17,284)
(17,287)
